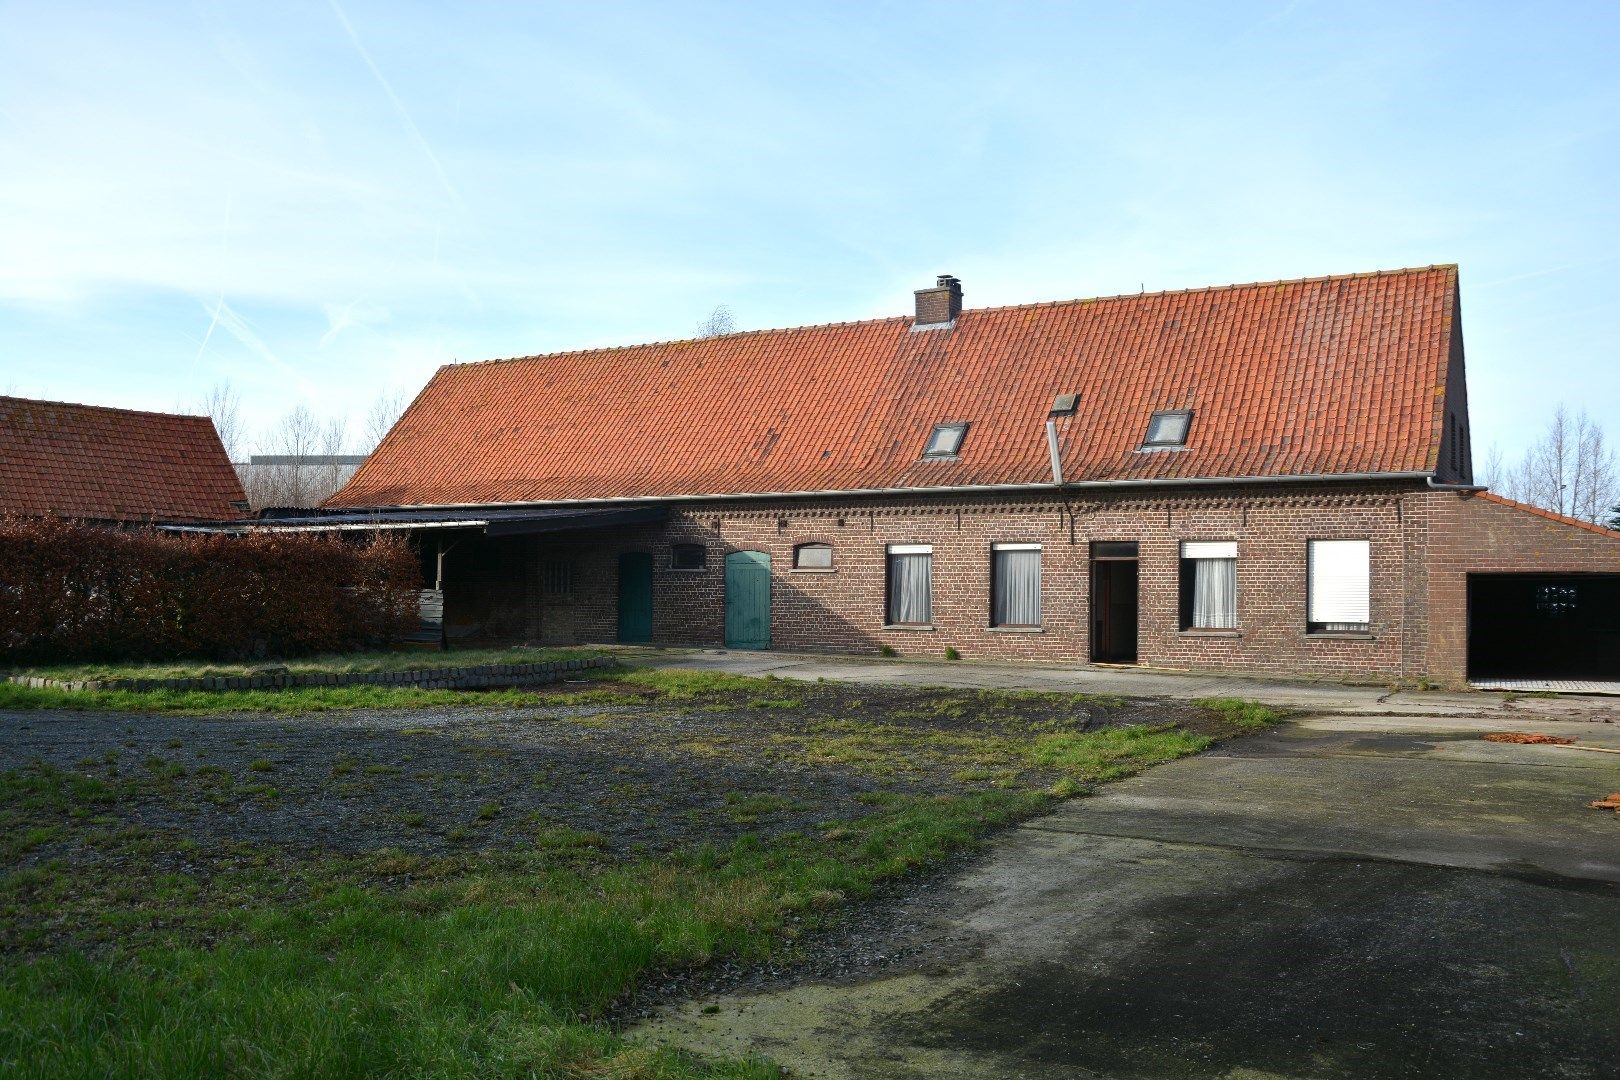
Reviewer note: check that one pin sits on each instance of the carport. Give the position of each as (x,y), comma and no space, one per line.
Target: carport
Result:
(1558,627)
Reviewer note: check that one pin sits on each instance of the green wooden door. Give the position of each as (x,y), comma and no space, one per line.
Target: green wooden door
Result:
(635,597)
(748,600)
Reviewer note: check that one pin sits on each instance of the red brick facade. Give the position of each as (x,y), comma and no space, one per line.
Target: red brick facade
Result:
(1423,542)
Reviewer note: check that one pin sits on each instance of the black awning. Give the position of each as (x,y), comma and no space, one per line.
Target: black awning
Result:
(565,520)
(502,521)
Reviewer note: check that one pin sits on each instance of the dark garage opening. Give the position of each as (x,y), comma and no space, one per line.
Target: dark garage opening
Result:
(1544,626)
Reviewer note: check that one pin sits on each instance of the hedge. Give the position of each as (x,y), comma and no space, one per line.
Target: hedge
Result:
(71,592)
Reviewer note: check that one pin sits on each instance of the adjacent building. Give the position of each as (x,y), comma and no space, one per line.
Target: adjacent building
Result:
(113,466)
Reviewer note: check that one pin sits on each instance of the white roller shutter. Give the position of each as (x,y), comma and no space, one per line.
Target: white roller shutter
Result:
(1209,549)
(1340,581)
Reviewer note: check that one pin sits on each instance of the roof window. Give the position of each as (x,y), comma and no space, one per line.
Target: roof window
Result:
(1168,429)
(945,441)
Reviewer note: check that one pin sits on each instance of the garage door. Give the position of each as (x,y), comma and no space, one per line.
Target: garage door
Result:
(1544,626)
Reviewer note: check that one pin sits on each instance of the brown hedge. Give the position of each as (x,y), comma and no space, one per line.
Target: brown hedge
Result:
(72,592)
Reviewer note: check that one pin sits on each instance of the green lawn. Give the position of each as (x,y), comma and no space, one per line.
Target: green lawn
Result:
(491,963)
(391,660)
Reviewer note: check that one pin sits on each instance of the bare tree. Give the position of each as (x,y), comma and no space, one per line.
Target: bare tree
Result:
(222,404)
(718,323)
(304,462)
(1494,473)
(1570,470)
(385,413)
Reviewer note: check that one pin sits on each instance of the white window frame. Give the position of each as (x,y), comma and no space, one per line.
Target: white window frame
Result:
(1196,551)
(888,596)
(1338,586)
(1041,585)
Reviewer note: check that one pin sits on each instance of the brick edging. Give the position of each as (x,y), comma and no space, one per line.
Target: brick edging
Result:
(475,677)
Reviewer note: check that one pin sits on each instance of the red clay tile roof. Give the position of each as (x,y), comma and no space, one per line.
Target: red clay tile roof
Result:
(1324,376)
(1562,519)
(92,463)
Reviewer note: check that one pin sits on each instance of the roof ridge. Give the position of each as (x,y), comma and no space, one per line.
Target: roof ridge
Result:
(105,408)
(1453,267)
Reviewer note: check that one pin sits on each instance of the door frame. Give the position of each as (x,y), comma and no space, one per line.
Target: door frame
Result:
(1110,554)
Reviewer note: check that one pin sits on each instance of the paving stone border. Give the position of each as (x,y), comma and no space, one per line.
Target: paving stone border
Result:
(474,677)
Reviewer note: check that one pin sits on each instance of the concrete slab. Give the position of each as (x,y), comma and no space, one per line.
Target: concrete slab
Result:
(1347,897)
(1551,686)
(1322,697)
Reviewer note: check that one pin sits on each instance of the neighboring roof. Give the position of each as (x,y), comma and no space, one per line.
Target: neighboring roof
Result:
(99,464)
(1562,519)
(1337,375)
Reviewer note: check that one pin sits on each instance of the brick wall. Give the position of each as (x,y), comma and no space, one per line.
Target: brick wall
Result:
(1476,535)
(844,610)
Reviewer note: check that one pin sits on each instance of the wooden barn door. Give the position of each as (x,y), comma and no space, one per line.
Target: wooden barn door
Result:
(748,600)
(635,597)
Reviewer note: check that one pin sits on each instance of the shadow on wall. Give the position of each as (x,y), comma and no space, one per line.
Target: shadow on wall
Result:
(565,590)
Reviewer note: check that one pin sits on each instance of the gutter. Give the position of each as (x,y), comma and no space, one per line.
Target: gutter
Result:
(1435,486)
(963,489)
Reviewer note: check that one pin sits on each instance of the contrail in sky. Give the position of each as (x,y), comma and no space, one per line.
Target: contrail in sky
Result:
(224,241)
(399,106)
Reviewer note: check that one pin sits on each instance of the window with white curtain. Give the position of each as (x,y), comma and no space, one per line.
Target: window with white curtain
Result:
(911,585)
(1339,585)
(1015,585)
(1209,585)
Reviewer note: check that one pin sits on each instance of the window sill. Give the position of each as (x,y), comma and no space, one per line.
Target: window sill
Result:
(908,626)
(1195,632)
(1015,629)
(688,569)
(814,570)
(1340,635)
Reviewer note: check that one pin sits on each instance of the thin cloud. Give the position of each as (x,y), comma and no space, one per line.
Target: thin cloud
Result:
(399,106)
(240,329)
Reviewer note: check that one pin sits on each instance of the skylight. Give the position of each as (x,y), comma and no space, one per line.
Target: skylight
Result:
(945,440)
(1168,429)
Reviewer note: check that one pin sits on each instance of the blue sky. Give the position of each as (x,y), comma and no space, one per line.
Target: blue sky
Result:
(319,201)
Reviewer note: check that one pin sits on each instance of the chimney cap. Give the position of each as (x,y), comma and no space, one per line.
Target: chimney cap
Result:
(947,280)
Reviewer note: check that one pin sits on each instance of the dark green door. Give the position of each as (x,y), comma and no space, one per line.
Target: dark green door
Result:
(635,597)
(748,600)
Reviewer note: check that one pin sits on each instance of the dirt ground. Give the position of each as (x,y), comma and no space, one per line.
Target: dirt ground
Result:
(638,773)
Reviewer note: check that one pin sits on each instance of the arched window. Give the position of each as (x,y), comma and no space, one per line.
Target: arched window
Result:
(687,557)
(812,557)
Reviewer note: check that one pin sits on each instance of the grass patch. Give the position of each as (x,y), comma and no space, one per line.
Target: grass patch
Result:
(1113,752)
(1240,714)
(500,962)
(337,663)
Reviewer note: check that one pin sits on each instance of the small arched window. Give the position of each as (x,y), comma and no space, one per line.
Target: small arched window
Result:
(687,557)
(812,557)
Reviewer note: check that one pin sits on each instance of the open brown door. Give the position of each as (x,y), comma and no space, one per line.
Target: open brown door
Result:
(1113,602)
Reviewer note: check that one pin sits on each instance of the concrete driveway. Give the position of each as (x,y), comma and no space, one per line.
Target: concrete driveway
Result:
(1307,695)
(1345,897)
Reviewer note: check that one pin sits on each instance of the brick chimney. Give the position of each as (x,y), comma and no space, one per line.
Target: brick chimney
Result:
(940,305)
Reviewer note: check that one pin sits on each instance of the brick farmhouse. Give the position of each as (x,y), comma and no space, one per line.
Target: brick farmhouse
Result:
(1270,478)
